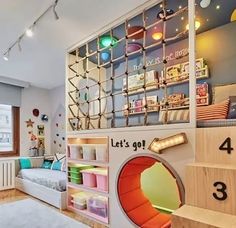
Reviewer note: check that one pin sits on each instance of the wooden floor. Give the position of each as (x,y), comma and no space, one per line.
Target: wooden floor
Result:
(15,195)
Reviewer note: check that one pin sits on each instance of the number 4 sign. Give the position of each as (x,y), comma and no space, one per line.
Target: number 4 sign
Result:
(226,145)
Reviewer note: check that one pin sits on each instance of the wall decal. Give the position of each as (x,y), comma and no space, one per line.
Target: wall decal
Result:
(35,112)
(44,118)
(58,130)
(123,143)
(40,130)
(33,150)
(41,146)
(29,123)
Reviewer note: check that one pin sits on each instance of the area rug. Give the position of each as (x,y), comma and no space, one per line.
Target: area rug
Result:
(29,213)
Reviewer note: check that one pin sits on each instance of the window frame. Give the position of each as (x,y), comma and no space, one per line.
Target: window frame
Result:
(16,134)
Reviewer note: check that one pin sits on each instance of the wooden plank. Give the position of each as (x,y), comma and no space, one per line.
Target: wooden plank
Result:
(208,143)
(211,186)
(194,217)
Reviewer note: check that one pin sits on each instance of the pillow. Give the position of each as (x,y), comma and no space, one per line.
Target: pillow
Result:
(25,163)
(213,112)
(62,159)
(175,115)
(223,92)
(232,108)
(36,162)
(46,165)
(56,165)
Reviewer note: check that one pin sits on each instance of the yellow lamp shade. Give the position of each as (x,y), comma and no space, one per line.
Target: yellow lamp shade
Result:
(197,25)
(157,35)
(233,16)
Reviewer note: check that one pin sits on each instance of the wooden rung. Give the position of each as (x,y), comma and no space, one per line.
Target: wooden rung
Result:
(194,217)
(208,142)
(211,186)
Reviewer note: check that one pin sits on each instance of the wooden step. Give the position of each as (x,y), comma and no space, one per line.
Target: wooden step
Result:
(211,186)
(194,217)
(208,145)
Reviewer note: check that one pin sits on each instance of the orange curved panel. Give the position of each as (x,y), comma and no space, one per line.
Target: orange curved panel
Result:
(143,214)
(132,200)
(160,220)
(131,169)
(129,183)
(137,207)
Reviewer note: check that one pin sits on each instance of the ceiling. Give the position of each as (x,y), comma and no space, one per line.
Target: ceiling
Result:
(42,59)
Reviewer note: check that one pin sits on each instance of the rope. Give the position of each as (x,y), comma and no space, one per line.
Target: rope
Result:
(110,95)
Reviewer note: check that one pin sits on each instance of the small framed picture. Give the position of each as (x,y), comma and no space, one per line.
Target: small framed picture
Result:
(199,64)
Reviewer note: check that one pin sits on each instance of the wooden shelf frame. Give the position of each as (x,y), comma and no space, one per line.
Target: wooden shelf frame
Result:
(88,189)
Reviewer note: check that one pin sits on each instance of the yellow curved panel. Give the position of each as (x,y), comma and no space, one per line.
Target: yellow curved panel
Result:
(233,16)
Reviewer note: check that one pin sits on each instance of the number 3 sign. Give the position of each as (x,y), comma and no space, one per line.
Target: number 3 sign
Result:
(221,189)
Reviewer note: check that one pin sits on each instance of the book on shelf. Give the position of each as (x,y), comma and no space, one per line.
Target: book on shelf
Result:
(152,103)
(137,106)
(136,81)
(202,96)
(180,72)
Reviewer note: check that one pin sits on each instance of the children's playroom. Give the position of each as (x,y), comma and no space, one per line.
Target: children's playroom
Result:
(129,121)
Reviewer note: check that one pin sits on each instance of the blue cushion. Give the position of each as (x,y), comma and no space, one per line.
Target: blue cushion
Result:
(232,108)
(47,165)
(56,165)
(25,163)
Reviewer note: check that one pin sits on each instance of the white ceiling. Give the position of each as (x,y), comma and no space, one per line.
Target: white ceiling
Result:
(42,60)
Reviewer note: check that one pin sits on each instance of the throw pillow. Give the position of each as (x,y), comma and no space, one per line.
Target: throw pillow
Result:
(56,165)
(223,92)
(25,163)
(232,108)
(175,115)
(47,165)
(62,159)
(37,162)
(213,112)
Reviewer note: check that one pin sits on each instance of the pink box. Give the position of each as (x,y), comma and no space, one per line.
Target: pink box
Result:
(89,178)
(102,179)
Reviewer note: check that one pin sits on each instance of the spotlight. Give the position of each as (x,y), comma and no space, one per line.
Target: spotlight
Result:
(161,14)
(55,13)
(218,7)
(157,145)
(5,57)
(29,32)
(19,45)
(197,25)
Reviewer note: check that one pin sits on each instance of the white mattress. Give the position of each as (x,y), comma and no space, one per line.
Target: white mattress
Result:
(50,178)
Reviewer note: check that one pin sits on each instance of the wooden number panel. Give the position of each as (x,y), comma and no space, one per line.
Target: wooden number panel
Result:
(195,217)
(216,145)
(211,186)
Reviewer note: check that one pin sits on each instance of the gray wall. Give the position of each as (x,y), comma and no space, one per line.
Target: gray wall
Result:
(218,47)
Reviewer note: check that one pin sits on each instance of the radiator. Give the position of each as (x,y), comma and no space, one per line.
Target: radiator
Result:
(7,174)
